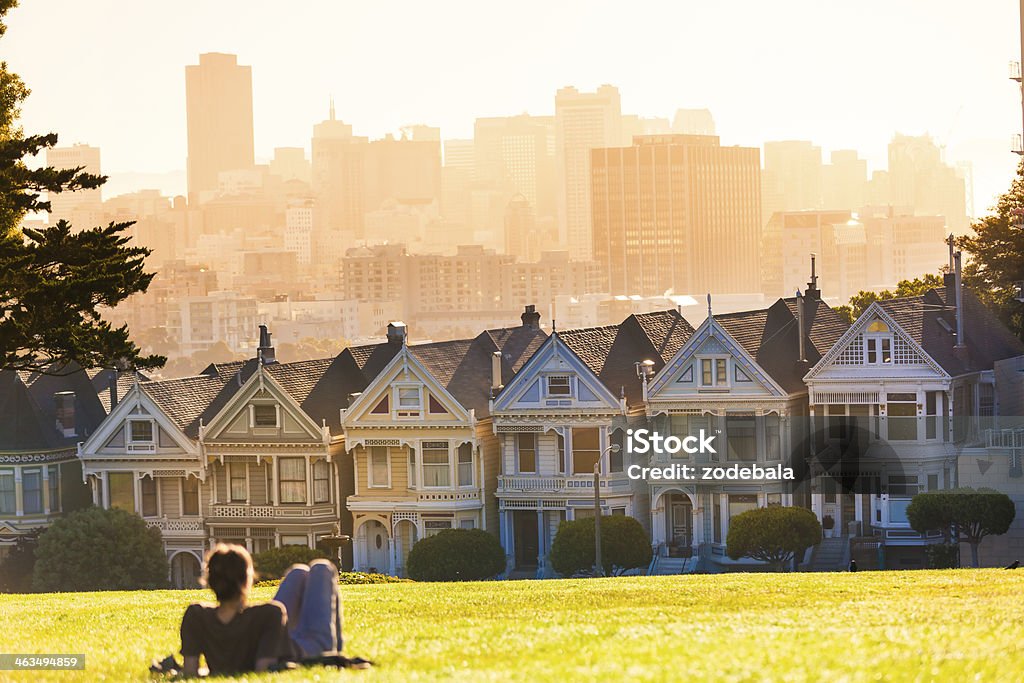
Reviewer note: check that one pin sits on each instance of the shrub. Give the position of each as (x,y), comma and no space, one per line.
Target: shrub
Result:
(772,534)
(624,544)
(348,579)
(456,555)
(273,563)
(16,568)
(943,556)
(973,513)
(96,549)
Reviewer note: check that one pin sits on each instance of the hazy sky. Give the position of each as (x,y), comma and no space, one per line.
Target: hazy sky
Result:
(843,74)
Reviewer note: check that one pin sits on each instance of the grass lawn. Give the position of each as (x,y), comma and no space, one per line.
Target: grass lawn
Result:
(924,625)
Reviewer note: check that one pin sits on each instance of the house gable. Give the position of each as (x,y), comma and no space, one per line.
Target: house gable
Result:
(156,432)
(405,392)
(875,345)
(712,362)
(555,378)
(261,410)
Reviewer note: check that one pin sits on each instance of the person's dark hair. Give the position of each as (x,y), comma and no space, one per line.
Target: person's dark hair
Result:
(228,571)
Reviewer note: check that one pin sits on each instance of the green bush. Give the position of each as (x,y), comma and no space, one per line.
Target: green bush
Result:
(973,513)
(17,567)
(624,544)
(456,555)
(772,534)
(273,563)
(943,556)
(96,549)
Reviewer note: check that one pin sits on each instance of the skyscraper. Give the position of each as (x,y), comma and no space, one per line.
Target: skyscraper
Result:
(677,212)
(515,154)
(794,167)
(583,122)
(218,97)
(919,178)
(83,205)
(339,176)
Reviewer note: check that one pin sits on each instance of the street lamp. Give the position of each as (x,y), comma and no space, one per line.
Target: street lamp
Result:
(598,564)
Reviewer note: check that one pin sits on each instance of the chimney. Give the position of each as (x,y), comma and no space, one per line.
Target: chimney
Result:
(530,318)
(396,333)
(801,328)
(113,389)
(812,286)
(958,283)
(265,351)
(496,373)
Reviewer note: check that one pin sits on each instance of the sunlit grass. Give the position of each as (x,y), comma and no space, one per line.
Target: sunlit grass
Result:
(945,626)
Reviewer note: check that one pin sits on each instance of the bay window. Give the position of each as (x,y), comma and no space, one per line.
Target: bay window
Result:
(436,464)
(122,490)
(190,496)
(465,464)
(321,481)
(586,449)
(292,477)
(526,449)
(380,469)
(147,487)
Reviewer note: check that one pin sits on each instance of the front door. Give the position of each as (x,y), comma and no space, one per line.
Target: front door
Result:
(527,548)
(681,513)
(185,571)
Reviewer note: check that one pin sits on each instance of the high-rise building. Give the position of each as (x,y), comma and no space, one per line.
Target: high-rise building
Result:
(405,170)
(919,178)
(515,154)
(693,122)
(339,176)
(290,163)
(583,122)
(677,212)
(75,207)
(218,97)
(845,181)
(794,167)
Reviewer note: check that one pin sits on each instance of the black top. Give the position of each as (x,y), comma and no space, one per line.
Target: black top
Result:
(257,632)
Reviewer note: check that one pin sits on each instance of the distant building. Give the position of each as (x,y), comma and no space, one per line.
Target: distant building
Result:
(298,232)
(677,212)
(919,177)
(583,122)
(218,96)
(81,208)
(516,154)
(405,170)
(693,122)
(339,175)
(290,163)
(794,168)
(845,181)
(201,322)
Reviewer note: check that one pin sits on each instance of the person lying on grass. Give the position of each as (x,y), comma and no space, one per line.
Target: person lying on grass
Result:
(302,622)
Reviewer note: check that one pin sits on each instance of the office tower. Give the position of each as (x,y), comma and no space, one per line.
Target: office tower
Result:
(515,154)
(583,122)
(522,238)
(845,181)
(290,163)
(218,97)
(633,125)
(405,170)
(677,212)
(919,178)
(298,231)
(82,206)
(339,176)
(693,122)
(794,168)
(456,181)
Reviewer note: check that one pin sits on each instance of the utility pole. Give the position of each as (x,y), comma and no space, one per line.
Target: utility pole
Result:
(598,563)
(1015,75)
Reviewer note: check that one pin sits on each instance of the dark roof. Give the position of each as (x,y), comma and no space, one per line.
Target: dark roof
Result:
(930,319)
(186,399)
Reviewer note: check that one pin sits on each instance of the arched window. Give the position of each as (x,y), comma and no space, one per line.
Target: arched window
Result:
(877,344)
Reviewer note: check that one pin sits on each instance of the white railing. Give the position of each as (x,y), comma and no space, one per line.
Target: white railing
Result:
(180,526)
(1004,438)
(528,483)
(236,511)
(427,496)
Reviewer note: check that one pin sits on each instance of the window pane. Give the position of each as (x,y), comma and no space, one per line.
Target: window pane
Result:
(558,385)
(466,465)
(902,419)
(585,449)
(720,377)
(706,372)
(408,397)
(142,431)
(32,491)
(54,488)
(265,416)
(740,503)
(7,501)
(379,470)
(772,437)
(122,490)
(293,480)
(526,445)
(435,466)
(148,487)
(739,438)
(190,496)
(412,467)
(321,481)
(239,485)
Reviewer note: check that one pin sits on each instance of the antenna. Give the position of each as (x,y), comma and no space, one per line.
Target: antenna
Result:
(332,108)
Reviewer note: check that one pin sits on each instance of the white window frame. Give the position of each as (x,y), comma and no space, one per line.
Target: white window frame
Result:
(313,467)
(407,412)
(370,481)
(570,388)
(722,382)
(437,526)
(231,475)
(471,463)
(181,496)
(876,340)
(252,416)
(142,442)
(452,483)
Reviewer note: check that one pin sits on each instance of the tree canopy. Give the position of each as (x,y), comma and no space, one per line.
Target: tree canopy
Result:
(860,301)
(54,281)
(772,534)
(995,266)
(972,514)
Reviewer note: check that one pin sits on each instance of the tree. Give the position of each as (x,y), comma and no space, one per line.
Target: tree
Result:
(456,555)
(96,549)
(860,301)
(772,534)
(53,282)
(624,544)
(996,251)
(16,568)
(969,515)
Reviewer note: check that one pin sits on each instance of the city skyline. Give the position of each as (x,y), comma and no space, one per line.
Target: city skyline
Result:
(826,86)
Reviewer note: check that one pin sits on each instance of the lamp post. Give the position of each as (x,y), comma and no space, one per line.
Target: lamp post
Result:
(598,564)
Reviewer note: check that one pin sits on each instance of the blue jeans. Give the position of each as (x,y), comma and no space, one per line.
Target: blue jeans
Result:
(310,595)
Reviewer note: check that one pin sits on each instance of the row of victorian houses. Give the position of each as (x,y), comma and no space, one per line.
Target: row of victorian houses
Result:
(393,442)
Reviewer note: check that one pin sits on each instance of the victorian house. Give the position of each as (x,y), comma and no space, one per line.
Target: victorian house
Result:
(562,419)
(42,418)
(425,457)
(738,377)
(906,392)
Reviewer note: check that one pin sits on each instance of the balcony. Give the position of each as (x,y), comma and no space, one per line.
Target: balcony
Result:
(448,496)
(561,484)
(1011,441)
(237,512)
(173,528)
